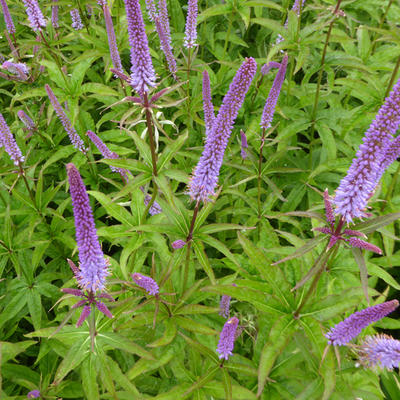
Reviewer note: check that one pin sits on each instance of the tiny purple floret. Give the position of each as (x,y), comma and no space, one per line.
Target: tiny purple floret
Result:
(178,244)
(33,394)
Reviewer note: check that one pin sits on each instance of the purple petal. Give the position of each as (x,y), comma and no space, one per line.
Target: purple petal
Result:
(85,313)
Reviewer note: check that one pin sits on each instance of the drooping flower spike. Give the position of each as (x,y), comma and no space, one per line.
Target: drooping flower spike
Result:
(93,265)
(227,338)
(147,283)
(351,327)
(208,107)
(20,70)
(205,176)
(35,15)
(270,104)
(142,72)
(191,25)
(380,350)
(26,120)
(244,144)
(73,135)
(7,18)
(76,19)
(357,187)
(10,145)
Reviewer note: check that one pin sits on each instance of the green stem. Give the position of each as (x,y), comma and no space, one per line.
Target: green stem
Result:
(228,34)
(151,202)
(85,22)
(92,327)
(393,77)
(188,79)
(260,159)
(32,197)
(151,136)
(381,22)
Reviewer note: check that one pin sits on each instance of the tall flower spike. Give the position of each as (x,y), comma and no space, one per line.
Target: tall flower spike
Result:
(35,15)
(357,187)
(76,19)
(224,305)
(20,70)
(112,41)
(7,17)
(93,266)
(145,282)
(227,338)
(348,329)
(380,350)
(27,121)
(73,135)
(208,107)
(10,145)
(142,71)
(244,144)
(54,14)
(191,25)
(205,176)
(270,104)
(151,9)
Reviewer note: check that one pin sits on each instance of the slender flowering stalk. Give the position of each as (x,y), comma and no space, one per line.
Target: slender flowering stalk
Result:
(205,176)
(244,144)
(26,120)
(267,67)
(208,107)
(112,41)
(191,25)
(93,266)
(151,9)
(54,15)
(227,338)
(76,19)
(142,71)
(270,104)
(20,70)
(147,283)
(357,187)
(35,15)
(348,329)
(73,135)
(10,145)
(165,44)
(7,17)
(380,350)
(33,394)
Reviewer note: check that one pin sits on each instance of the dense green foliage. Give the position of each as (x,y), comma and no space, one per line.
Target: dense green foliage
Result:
(165,348)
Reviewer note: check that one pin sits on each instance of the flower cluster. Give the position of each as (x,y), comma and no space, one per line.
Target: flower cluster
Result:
(26,120)
(10,145)
(227,338)
(147,283)
(54,15)
(34,14)
(76,19)
(7,17)
(20,70)
(208,107)
(191,25)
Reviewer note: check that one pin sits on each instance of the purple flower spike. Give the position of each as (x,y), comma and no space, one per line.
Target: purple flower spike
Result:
(142,71)
(33,394)
(224,304)
(20,70)
(348,329)
(35,15)
(107,154)
(10,145)
(85,313)
(26,120)
(357,187)
(205,176)
(155,208)
(112,41)
(227,338)
(330,216)
(208,107)
(73,135)
(355,242)
(151,9)
(93,266)
(380,350)
(103,308)
(178,244)
(267,67)
(147,283)
(76,19)
(191,25)
(7,17)
(54,15)
(269,108)
(244,144)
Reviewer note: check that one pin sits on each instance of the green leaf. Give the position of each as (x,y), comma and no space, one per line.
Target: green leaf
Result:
(13,307)
(193,326)
(89,378)
(9,351)
(375,270)
(359,257)
(203,259)
(202,381)
(226,380)
(35,307)
(270,24)
(170,151)
(375,223)
(169,334)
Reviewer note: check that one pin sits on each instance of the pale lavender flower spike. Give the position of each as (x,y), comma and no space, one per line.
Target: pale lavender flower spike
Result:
(76,19)
(191,25)
(348,329)
(20,70)
(380,350)
(93,265)
(357,187)
(224,305)
(270,104)
(227,338)
(112,41)
(27,121)
(147,283)
(73,135)
(7,18)
(10,145)
(151,9)
(35,15)
(178,244)
(54,14)
(244,144)
(142,71)
(268,66)
(205,176)
(208,107)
